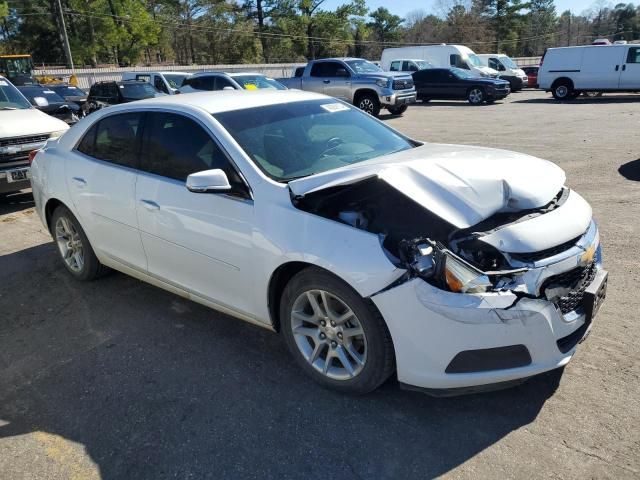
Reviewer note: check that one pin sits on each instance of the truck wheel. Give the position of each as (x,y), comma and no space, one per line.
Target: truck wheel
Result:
(398,110)
(369,103)
(475,96)
(562,90)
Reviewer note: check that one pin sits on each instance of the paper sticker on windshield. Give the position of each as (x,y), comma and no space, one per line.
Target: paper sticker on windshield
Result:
(3,83)
(334,107)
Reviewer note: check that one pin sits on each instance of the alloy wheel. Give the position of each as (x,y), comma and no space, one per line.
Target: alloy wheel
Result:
(328,334)
(367,105)
(562,91)
(475,96)
(70,244)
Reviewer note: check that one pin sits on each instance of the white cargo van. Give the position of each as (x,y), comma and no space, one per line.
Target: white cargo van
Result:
(506,68)
(442,56)
(166,82)
(568,71)
(409,65)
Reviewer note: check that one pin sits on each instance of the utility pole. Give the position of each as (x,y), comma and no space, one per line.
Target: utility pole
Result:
(65,38)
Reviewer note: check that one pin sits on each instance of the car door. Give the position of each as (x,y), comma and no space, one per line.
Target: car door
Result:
(601,68)
(337,80)
(439,83)
(315,82)
(201,242)
(630,74)
(101,176)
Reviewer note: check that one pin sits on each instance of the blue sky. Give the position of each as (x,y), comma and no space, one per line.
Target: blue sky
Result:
(402,7)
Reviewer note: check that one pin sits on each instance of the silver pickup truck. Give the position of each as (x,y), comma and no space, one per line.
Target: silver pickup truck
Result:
(358,82)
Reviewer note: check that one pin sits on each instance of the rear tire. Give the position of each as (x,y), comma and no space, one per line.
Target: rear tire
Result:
(339,339)
(369,103)
(398,110)
(562,90)
(74,248)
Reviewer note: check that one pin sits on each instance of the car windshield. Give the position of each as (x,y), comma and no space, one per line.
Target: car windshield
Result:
(175,79)
(507,62)
(475,60)
(464,74)
(258,82)
(423,64)
(69,91)
(11,98)
(138,91)
(298,139)
(363,66)
(41,92)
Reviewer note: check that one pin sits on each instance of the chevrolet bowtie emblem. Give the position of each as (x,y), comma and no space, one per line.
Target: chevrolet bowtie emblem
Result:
(588,255)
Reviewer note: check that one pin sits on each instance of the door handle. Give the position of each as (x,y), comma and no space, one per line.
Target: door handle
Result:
(150,205)
(617,67)
(624,67)
(80,182)
(326,81)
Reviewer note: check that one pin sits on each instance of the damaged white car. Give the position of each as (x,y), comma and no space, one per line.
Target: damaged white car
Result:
(458,268)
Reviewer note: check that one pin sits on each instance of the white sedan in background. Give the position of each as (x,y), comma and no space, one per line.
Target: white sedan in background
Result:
(458,268)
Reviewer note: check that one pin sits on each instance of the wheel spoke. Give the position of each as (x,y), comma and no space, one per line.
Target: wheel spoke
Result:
(317,350)
(315,306)
(344,360)
(355,355)
(345,316)
(352,332)
(307,332)
(327,362)
(303,317)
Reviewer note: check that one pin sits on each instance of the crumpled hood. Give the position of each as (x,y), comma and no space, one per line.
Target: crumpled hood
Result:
(28,121)
(463,185)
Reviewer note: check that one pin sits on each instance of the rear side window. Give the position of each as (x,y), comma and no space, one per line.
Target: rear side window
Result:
(115,139)
(176,147)
(222,82)
(633,56)
(395,66)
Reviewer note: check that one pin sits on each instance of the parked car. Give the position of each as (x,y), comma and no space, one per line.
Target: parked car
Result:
(458,267)
(358,82)
(210,81)
(49,102)
(458,84)
(23,129)
(507,69)
(103,94)
(70,93)
(409,65)
(441,56)
(532,76)
(568,71)
(166,82)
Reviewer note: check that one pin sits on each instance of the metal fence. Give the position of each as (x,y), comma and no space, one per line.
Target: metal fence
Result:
(88,76)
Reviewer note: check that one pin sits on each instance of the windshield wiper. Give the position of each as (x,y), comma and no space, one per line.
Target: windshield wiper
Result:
(8,108)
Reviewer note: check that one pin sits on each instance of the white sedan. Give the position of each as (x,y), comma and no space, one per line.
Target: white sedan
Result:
(457,268)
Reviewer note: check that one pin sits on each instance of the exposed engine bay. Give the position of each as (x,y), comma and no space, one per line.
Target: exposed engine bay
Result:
(427,246)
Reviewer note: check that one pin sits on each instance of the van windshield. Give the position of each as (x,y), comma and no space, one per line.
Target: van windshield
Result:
(507,62)
(475,60)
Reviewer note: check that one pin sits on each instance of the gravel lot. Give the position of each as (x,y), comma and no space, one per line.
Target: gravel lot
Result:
(118,379)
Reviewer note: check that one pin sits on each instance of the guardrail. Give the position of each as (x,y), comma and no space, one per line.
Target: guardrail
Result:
(88,76)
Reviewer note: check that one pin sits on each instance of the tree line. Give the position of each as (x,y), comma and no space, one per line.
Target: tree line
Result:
(129,32)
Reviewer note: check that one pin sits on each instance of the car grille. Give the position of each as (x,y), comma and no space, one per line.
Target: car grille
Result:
(6,158)
(402,84)
(5,142)
(542,254)
(578,279)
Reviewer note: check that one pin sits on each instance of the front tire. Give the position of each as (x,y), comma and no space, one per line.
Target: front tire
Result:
(335,336)
(398,110)
(74,248)
(369,103)
(475,96)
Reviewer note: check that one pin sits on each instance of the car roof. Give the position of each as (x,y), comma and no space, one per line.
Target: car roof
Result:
(240,74)
(227,100)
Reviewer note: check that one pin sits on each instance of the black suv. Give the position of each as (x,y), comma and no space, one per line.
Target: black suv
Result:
(103,94)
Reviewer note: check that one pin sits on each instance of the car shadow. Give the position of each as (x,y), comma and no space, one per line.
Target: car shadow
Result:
(154,386)
(582,100)
(15,202)
(631,170)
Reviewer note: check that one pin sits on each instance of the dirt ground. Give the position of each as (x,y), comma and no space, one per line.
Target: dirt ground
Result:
(118,379)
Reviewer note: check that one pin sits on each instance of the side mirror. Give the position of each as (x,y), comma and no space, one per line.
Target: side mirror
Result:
(228,88)
(208,181)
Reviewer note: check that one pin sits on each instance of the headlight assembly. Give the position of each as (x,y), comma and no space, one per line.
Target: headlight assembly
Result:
(57,133)
(382,82)
(463,278)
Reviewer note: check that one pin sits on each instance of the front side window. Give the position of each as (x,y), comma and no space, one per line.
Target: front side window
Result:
(395,66)
(298,139)
(175,80)
(633,56)
(11,98)
(159,84)
(493,63)
(115,139)
(222,82)
(176,146)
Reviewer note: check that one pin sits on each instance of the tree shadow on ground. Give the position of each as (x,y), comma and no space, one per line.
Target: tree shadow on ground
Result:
(154,386)
(15,202)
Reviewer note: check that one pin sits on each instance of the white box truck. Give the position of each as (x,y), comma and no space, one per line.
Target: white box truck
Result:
(507,69)
(568,71)
(442,56)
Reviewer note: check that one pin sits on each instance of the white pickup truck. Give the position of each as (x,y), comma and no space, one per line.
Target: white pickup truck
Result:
(23,129)
(358,82)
